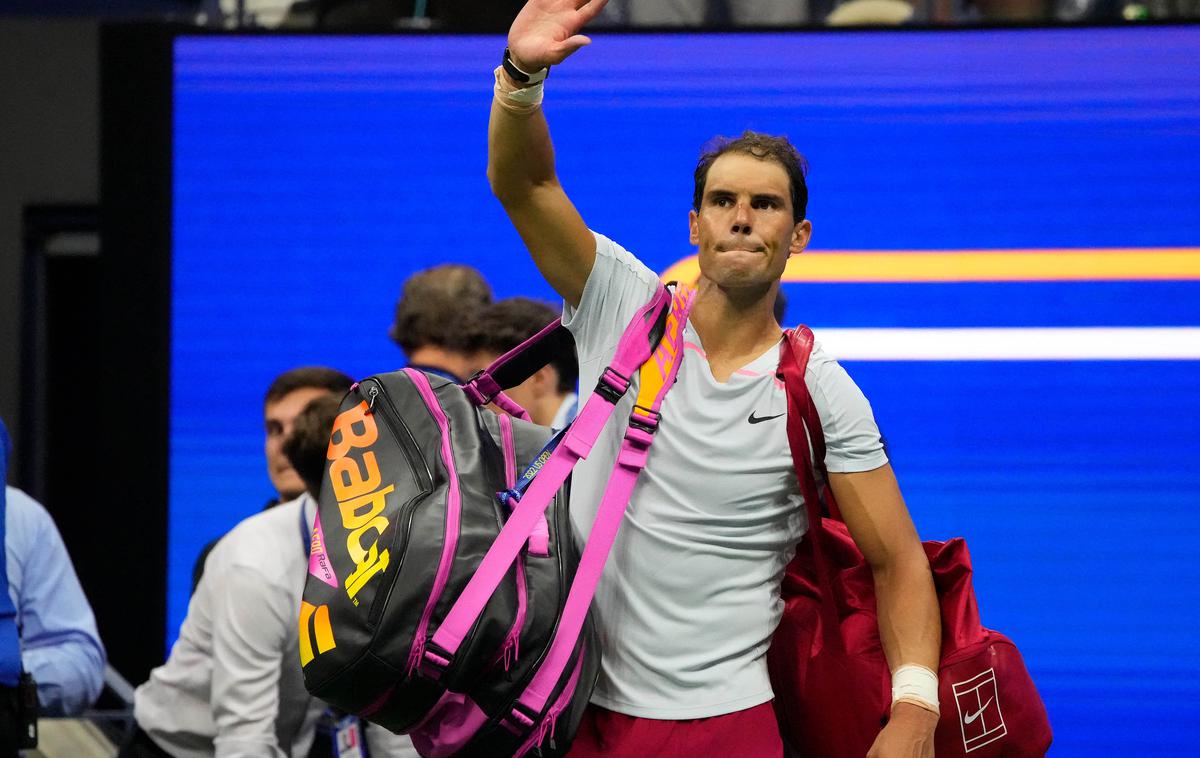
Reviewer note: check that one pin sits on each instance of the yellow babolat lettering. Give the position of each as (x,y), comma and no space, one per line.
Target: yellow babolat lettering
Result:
(352,518)
(322,631)
(372,563)
(356,484)
(352,480)
(358,553)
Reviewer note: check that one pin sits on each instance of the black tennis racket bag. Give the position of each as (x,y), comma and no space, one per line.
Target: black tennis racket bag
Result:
(440,598)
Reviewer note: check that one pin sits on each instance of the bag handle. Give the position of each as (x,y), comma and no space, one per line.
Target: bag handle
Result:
(517,365)
(803,429)
(524,360)
(635,347)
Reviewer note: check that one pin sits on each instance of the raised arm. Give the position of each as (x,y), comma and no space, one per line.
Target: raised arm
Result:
(521,155)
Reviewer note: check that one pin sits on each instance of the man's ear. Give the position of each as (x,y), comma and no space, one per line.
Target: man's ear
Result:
(545,381)
(801,233)
(693,228)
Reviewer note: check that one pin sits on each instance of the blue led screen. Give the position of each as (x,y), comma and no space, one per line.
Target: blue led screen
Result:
(313,174)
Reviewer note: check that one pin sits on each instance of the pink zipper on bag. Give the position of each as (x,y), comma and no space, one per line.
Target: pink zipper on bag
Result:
(453,516)
(510,650)
(545,729)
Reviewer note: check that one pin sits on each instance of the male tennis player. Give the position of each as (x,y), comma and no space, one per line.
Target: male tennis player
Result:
(690,595)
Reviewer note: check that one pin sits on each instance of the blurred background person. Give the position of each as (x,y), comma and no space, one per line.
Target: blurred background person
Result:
(46,624)
(286,396)
(233,684)
(701,13)
(433,317)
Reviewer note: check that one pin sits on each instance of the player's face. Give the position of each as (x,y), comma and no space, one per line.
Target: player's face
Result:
(279,416)
(744,228)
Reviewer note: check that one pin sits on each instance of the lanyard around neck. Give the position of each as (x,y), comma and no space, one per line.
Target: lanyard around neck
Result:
(305,533)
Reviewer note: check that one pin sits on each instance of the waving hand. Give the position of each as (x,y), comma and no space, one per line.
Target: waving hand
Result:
(546,32)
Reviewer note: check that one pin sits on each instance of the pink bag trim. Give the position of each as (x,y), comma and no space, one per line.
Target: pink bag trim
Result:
(510,406)
(453,514)
(546,729)
(511,648)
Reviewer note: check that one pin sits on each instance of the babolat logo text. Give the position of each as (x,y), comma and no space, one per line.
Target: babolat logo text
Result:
(355,478)
(315,630)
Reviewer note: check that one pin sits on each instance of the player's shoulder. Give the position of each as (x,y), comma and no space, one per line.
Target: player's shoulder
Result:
(617,258)
(822,365)
(830,384)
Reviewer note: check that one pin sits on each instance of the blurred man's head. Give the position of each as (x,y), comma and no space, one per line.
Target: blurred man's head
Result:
(433,313)
(507,323)
(306,446)
(286,398)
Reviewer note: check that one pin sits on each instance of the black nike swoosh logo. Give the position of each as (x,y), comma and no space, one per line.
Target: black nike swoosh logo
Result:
(759,419)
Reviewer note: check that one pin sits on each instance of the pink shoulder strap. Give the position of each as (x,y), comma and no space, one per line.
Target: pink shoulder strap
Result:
(656,379)
(634,349)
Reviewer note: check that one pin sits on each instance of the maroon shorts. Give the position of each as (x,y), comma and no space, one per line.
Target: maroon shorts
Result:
(752,733)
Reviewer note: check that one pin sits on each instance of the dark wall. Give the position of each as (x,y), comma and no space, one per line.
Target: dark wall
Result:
(49,153)
(94,410)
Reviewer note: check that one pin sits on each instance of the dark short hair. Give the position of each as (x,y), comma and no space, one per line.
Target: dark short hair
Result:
(306,446)
(317,377)
(764,147)
(507,323)
(434,306)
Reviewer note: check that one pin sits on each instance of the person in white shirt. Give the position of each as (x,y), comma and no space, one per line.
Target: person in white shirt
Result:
(233,684)
(690,595)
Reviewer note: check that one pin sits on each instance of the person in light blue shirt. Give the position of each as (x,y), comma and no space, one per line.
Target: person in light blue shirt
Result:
(60,646)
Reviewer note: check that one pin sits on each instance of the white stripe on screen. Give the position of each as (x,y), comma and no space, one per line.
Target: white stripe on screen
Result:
(1013,344)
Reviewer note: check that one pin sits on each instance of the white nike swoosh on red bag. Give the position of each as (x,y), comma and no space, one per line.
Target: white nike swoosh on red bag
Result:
(970,717)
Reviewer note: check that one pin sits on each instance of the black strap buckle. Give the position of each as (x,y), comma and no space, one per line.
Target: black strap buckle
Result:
(646,419)
(612,385)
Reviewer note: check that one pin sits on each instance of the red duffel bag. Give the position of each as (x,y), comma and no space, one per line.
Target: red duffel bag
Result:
(831,679)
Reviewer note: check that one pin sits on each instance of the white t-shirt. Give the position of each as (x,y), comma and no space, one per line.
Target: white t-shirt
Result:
(233,685)
(690,594)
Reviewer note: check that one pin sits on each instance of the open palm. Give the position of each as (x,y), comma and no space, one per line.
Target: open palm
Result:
(545,32)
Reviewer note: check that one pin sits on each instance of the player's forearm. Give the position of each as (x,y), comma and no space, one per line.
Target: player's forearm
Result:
(909,619)
(521,171)
(520,154)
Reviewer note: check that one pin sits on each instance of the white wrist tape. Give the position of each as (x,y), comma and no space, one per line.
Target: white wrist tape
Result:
(916,684)
(518,100)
